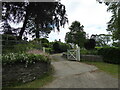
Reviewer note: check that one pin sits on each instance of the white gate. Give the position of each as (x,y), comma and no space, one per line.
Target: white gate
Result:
(74,54)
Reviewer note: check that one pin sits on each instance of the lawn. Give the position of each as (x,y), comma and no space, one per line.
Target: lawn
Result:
(111,69)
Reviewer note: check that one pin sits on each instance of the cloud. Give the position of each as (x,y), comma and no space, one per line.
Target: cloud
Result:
(91,14)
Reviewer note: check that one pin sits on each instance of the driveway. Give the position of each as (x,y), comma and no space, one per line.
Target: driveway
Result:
(73,74)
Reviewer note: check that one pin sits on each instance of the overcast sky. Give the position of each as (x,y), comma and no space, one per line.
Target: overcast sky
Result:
(89,13)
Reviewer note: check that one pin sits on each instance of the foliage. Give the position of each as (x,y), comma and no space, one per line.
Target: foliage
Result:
(42,41)
(26,46)
(25,58)
(59,47)
(8,37)
(116,44)
(76,34)
(38,18)
(88,52)
(110,54)
(21,46)
(49,50)
(90,44)
(102,39)
(113,24)
(56,47)
(8,40)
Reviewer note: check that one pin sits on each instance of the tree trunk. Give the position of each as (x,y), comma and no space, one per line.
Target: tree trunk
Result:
(37,29)
(24,25)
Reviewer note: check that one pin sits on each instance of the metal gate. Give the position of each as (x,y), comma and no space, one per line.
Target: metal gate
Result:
(73,54)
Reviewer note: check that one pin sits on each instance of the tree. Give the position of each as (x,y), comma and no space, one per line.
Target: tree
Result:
(38,17)
(90,44)
(56,47)
(114,23)
(76,34)
(102,39)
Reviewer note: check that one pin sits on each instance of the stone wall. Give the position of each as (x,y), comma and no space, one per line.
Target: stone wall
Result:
(91,58)
(19,73)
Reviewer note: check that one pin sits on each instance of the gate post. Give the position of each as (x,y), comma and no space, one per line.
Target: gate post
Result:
(78,53)
(44,49)
(67,54)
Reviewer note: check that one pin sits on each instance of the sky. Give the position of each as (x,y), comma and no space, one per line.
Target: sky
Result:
(91,14)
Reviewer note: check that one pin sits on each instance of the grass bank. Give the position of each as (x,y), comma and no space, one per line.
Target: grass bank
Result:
(111,69)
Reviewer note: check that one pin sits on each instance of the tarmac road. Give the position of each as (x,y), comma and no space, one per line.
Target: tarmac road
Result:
(73,74)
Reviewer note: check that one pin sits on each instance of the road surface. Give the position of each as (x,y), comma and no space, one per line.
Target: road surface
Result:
(73,74)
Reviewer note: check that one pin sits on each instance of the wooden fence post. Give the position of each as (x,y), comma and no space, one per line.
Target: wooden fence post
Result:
(78,53)
(44,49)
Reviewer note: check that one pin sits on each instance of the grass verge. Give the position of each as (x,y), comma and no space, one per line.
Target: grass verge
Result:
(111,69)
(38,83)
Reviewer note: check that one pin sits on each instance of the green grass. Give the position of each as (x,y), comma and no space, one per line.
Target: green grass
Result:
(111,69)
(38,83)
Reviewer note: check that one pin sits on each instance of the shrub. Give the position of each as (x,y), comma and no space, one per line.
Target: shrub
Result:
(44,40)
(90,44)
(21,47)
(49,50)
(26,58)
(8,37)
(45,45)
(110,55)
(64,47)
(56,47)
(8,42)
(60,47)
(88,52)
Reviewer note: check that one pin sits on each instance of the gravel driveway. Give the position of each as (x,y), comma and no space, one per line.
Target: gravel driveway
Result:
(73,74)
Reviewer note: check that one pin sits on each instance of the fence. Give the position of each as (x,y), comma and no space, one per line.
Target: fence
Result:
(92,58)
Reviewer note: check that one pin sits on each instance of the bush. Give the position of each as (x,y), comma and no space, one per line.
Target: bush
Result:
(56,47)
(88,52)
(60,47)
(26,58)
(45,45)
(49,50)
(8,42)
(90,44)
(64,47)
(110,55)
(21,47)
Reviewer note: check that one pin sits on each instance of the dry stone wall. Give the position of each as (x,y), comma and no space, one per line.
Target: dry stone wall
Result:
(20,73)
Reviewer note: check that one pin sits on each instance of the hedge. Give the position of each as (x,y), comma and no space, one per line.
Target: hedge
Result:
(110,54)
(60,47)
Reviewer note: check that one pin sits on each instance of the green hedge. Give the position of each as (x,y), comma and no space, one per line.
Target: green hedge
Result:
(60,47)
(26,58)
(88,52)
(49,50)
(110,55)
(23,47)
